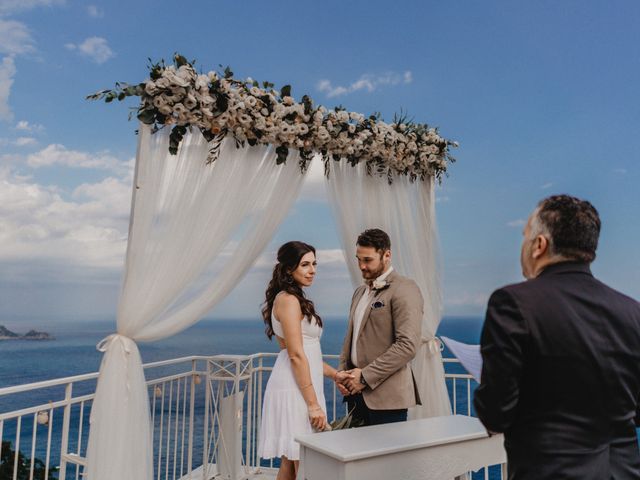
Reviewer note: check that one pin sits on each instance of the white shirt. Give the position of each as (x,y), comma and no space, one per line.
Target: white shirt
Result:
(358,314)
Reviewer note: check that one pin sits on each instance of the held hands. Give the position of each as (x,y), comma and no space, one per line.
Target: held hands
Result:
(355,385)
(340,378)
(348,382)
(317,418)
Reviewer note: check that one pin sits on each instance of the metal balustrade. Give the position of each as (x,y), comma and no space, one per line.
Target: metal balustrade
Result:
(205,411)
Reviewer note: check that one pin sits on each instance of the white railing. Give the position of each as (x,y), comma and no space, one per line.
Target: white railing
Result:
(206,414)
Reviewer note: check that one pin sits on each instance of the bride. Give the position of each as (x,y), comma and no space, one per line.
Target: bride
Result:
(294,401)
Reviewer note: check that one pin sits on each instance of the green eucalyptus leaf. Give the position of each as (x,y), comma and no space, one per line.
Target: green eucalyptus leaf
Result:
(180,60)
(146,116)
(282,152)
(285,91)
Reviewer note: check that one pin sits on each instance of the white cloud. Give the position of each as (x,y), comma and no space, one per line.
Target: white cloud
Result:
(442,199)
(38,225)
(621,171)
(7,72)
(14,6)
(25,126)
(546,186)
(95,48)
(367,82)
(56,154)
(25,141)
(15,38)
(95,11)
(516,223)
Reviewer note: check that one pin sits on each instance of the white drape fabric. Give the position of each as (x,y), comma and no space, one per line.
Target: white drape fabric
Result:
(406,211)
(186,218)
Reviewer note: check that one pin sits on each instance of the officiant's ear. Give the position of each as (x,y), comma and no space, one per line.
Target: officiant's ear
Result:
(386,256)
(540,246)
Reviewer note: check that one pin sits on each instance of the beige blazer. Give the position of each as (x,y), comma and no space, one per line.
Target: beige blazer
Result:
(389,337)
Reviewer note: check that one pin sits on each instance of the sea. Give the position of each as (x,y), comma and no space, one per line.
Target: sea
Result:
(73,351)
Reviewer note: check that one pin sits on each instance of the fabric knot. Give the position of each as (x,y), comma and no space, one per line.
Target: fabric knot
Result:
(104,344)
(434,345)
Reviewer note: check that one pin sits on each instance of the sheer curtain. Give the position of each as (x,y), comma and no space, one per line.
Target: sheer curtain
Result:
(186,216)
(406,211)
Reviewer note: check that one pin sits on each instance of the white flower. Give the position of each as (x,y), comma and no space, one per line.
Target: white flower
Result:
(160,101)
(150,88)
(323,134)
(245,119)
(379,284)
(352,128)
(162,83)
(180,109)
(202,82)
(239,133)
(255,91)
(165,109)
(288,100)
(174,79)
(303,129)
(190,102)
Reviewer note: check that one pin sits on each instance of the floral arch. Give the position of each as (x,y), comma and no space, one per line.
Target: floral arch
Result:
(216,156)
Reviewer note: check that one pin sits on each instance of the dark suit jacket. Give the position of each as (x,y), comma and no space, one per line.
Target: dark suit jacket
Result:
(561,376)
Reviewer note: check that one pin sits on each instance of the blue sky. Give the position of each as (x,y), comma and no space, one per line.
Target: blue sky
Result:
(542,96)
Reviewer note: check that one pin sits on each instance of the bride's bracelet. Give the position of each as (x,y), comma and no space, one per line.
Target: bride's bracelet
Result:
(306,386)
(313,409)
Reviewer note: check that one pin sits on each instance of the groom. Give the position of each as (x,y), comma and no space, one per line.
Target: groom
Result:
(382,338)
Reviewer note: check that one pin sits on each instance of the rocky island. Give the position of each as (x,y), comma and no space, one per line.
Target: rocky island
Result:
(6,334)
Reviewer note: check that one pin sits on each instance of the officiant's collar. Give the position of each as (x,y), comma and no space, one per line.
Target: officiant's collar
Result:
(568,266)
(382,277)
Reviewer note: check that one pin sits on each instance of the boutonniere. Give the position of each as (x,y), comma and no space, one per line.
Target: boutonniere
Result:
(377,304)
(379,284)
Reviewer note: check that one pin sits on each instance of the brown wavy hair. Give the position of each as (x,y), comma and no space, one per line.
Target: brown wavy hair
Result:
(289,256)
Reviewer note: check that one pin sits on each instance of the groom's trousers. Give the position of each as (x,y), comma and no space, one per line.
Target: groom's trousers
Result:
(361,412)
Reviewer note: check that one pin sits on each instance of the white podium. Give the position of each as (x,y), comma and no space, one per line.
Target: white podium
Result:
(436,448)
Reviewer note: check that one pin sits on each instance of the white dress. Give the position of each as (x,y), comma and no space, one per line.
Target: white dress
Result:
(284,411)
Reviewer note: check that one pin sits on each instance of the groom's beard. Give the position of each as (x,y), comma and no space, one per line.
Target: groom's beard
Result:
(370,276)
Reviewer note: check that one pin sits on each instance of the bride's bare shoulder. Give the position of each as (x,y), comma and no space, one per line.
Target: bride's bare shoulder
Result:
(284,298)
(286,303)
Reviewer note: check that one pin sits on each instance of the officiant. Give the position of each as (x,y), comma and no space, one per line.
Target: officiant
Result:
(561,357)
